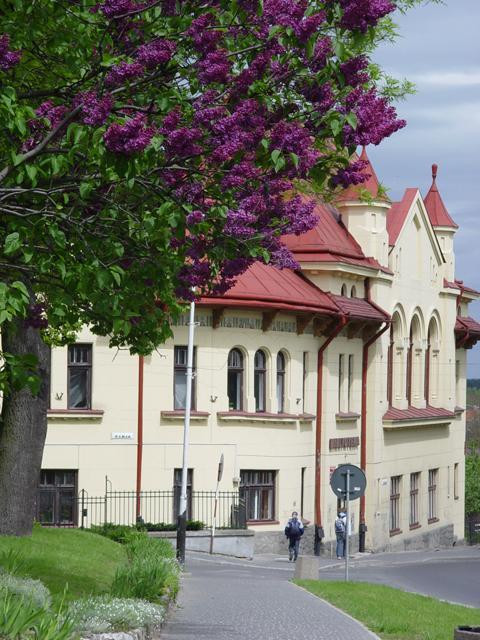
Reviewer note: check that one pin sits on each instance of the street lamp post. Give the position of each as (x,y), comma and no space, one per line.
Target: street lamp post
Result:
(182,511)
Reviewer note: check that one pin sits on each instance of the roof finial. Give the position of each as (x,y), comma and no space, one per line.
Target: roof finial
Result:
(434,171)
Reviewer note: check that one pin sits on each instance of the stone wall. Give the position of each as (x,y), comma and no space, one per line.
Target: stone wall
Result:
(439,537)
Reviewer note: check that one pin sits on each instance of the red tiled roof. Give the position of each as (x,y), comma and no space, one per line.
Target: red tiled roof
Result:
(329,241)
(458,284)
(437,212)
(371,184)
(467,324)
(360,308)
(267,287)
(397,215)
(413,413)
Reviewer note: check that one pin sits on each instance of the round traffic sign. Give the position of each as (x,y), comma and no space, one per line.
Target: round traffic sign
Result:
(357,481)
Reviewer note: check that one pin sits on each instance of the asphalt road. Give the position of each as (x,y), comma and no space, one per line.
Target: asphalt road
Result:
(452,575)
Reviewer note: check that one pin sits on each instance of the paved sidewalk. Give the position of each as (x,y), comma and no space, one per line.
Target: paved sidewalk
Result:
(229,600)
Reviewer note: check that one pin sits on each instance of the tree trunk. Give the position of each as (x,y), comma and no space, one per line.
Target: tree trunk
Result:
(23,429)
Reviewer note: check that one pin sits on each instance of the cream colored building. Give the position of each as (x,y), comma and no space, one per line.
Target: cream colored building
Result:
(280,365)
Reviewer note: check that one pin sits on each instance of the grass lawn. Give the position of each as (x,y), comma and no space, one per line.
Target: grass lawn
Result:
(394,614)
(85,561)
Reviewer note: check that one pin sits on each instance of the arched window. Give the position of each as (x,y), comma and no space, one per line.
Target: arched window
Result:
(390,366)
(280,382)
(344,291)
(396,376)
(353,292)
(414,372)
(431,362)
(235,380)
(260,380)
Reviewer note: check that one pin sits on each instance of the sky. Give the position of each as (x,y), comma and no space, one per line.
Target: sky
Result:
(439,50)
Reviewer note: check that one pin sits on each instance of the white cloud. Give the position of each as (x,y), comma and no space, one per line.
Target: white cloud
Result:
(447,78)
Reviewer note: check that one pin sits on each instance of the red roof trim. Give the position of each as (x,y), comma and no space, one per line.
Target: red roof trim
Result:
(414,413)
(467,324)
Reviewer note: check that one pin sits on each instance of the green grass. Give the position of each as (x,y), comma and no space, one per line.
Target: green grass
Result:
(394,614)
(58,557)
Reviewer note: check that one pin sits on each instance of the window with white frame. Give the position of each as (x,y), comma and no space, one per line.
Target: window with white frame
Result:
(260,380)
(280,382)
(432,495)
(235,380)
(414,498)
(79,383)
(180,378)
(395,485)
(258,490)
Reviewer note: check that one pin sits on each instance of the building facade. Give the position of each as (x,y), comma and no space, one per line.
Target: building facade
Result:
(358,357)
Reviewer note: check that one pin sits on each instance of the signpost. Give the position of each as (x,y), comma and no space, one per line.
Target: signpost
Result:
(214,522)
(348,482)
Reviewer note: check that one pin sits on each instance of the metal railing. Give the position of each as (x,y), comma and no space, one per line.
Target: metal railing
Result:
(472,528)
(119,507)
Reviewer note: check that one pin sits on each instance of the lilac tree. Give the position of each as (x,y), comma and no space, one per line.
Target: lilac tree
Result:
(151,148)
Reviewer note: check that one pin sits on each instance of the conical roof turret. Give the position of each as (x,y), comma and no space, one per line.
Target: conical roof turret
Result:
(437,211)
(371,184)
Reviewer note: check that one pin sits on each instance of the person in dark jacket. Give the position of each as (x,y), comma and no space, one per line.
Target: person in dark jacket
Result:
(294,531)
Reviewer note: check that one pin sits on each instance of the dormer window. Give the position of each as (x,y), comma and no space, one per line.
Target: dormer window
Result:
(353,292)
(344,291)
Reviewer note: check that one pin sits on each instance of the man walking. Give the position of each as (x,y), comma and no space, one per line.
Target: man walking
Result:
(340,533)
(294,531)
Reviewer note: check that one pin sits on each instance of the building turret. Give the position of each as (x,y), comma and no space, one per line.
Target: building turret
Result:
(442,223)
(364,209)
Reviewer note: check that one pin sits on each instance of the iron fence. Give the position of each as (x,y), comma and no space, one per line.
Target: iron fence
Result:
(472,528)
(120,507)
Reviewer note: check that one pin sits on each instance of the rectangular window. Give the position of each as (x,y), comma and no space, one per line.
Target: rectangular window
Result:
(180,378)
(414,485)
(455,481)
(79,382)
(395,504)
(257,488)
(302,491)
(350,382)
(177,490)
(341,373)
(432,495)
(56,503)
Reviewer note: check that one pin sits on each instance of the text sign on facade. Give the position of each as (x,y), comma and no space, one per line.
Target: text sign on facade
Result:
(122,435)
(357,481)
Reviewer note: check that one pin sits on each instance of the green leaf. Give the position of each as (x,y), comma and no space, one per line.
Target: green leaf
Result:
(351,118)
(12,243)
(276,153)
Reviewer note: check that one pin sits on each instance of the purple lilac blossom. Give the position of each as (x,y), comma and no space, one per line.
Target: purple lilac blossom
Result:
(353,174)
(130,137)
(204,37)
(376,118)
(156,53)
(8,59)
(95,109)
(123,72)
(361,14)
(215,67)
(114,8)
(354,71)
(195,217)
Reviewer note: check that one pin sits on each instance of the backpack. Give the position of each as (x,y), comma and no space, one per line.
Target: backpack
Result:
(294,529)
(339,526)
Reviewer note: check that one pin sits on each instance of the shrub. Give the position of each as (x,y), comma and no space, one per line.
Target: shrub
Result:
(121,533)
(32,591)
(21,619)
(152,573)
(192,525)
(100,614)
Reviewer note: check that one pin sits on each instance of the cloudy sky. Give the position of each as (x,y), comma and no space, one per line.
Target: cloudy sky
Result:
(439,50)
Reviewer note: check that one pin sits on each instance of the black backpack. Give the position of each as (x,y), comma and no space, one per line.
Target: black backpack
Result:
(294,529)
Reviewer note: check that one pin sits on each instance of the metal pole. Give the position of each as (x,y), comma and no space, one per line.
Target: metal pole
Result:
(214,518)
(347,524)
(182,512)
